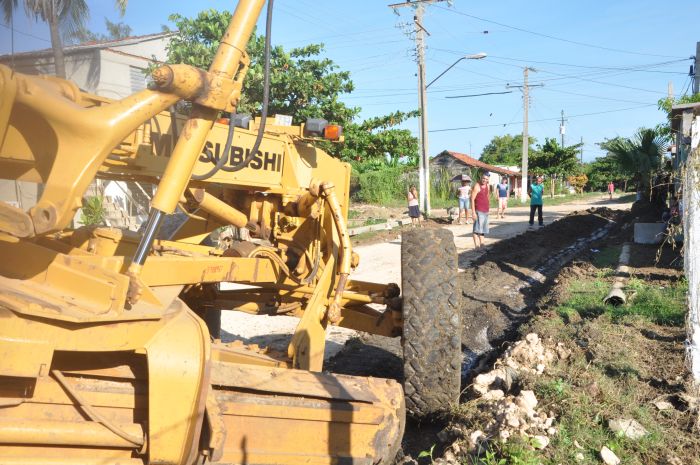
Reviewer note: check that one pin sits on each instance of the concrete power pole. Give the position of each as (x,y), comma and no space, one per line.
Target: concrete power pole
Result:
(526,138)
(562,128)
(424,156)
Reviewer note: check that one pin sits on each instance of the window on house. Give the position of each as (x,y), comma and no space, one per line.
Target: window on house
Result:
(137,78)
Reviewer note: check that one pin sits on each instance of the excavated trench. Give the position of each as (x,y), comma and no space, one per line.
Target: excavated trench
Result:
(501,289)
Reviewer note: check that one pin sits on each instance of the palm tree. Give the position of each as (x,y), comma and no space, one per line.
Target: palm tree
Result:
(641,156)
(64,17)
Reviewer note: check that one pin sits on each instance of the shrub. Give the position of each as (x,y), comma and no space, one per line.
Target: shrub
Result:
(93,211)
(382,186)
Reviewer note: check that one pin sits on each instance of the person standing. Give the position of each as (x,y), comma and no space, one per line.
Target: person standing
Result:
(480,210)
(611,189)
(535,192)
(463,199)
(413,210)
(501,194)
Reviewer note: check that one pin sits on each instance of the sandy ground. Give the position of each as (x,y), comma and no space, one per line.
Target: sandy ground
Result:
(381,263)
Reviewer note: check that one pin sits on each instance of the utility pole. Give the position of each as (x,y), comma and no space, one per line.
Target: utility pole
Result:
(424,156)
(526,138)
(562,128)
(582,150)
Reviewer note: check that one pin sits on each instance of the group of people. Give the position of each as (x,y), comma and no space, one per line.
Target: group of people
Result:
(474,203)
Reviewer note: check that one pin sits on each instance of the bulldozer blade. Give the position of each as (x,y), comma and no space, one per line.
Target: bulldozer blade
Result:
(285,416)
(253,415)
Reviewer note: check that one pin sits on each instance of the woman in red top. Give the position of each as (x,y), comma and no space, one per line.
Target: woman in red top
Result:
(480,210)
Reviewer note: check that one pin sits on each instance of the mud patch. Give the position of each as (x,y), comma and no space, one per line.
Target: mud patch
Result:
(503,285)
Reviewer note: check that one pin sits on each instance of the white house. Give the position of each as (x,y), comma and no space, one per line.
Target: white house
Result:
(112,69)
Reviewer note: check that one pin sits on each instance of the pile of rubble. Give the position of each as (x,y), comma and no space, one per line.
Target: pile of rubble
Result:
(516,414)
(510,414)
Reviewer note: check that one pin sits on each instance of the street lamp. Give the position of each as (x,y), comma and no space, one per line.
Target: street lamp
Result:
(476,56)
(424,162)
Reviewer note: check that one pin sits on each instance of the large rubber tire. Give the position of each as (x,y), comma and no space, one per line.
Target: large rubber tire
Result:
(432,321)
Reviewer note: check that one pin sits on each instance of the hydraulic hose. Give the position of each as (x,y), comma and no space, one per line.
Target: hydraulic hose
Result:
(266,98)
(223,159)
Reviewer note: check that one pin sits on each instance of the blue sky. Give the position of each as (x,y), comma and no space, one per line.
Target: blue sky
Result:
(604,63)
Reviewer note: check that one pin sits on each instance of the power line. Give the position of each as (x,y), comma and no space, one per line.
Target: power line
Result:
(561,39)
(611,68)
(601,73)
(544,119)
(25,33)
(594,96)
(479,95)
(596,74)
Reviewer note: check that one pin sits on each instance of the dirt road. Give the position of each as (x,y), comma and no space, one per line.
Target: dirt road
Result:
(381,263)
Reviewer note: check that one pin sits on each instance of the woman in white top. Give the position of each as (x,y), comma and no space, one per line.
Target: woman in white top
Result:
(413,210)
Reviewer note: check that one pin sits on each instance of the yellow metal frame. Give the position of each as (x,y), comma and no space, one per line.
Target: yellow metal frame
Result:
(90,333)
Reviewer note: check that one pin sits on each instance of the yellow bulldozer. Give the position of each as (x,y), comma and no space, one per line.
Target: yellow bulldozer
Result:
(110,339)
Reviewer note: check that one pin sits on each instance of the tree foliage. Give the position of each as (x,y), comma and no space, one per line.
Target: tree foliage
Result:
(504,150)
(93,211)
(578,182)
(302,85)
(602,170)
(666,104)
(115,31)
(641,155)
(378,136)
(554,160)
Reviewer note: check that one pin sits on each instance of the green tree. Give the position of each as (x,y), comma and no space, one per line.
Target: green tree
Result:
(666,104)
(66,19)
(302,85)
(641,155)
(602,170)
(375,138)
(555,161)
(504,150)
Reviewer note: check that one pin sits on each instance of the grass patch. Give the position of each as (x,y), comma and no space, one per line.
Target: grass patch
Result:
(608,257)
(607,375)
(660,304)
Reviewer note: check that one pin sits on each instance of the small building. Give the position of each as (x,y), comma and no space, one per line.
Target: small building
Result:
(114,69)
(459,163)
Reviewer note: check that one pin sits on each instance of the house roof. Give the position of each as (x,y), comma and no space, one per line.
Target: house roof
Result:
(92,45)
(470,161)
